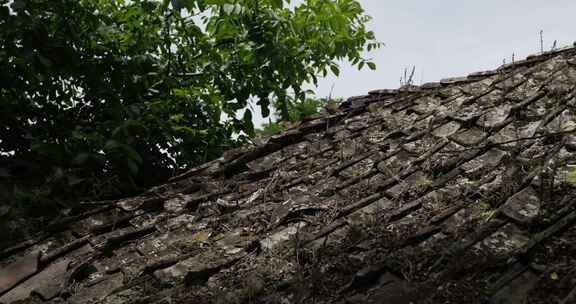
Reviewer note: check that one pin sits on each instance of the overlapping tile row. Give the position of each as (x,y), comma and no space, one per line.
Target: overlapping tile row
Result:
(451,192)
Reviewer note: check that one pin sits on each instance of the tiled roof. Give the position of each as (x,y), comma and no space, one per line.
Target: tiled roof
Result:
(450,192)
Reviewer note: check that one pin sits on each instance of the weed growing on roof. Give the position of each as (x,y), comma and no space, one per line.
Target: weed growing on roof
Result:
(571,178)
(485,210)
(472,183)
(423,182)
(407,80)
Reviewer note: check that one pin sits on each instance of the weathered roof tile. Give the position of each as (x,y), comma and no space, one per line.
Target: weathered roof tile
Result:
(439,193)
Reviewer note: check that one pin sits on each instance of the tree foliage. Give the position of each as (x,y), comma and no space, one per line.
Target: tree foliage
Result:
(298,111)
(100,96)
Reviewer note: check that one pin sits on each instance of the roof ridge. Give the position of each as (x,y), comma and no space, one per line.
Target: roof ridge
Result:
(475,76)
(351,104)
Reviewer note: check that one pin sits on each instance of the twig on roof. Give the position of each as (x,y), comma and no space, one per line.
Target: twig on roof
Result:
(411,79)
(331,91)
(405,70)
(407,79)
(541,41)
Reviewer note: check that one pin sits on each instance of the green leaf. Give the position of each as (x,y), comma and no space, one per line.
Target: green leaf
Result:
(232,8)
(179,4)
(47,63)
(247,116)
(247,121)
(53,151)
(81,159)
(133,167)
(113,146)
(74,180)
(264,104)
(201,5)
(335,70)
(18,5)
(371,65)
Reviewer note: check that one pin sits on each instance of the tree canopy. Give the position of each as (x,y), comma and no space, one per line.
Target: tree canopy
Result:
(99,96)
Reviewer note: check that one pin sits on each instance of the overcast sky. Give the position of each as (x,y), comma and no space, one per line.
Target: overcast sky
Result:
(448,38)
